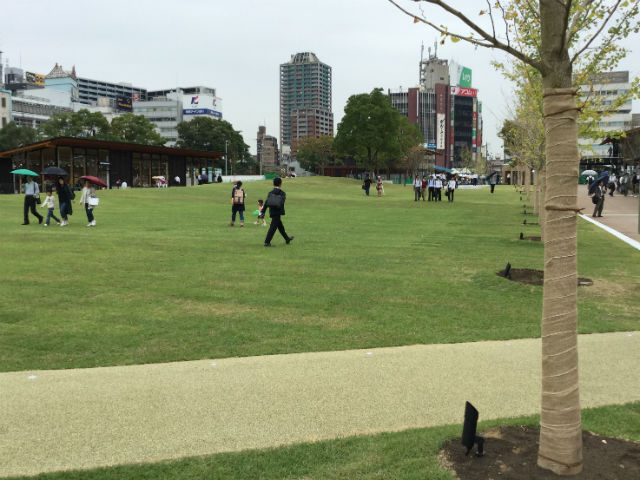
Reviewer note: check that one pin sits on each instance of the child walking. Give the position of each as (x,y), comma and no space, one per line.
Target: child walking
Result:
(50,203)
(261,212)
(88,192)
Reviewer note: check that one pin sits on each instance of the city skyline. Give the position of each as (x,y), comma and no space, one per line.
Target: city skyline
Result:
(238,47)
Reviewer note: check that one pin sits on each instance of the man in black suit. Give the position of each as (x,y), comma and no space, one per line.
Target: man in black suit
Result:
(275,202)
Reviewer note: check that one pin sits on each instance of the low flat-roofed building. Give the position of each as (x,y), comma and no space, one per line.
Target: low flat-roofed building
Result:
(132,163)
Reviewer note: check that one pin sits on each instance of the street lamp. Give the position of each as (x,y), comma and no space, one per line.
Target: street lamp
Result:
(226,142)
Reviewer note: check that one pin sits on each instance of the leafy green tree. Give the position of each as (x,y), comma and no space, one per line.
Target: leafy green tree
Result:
(373,132)
(313,153)
(13,136)
(211,135)
(553,37)
(82,123)
(132,128)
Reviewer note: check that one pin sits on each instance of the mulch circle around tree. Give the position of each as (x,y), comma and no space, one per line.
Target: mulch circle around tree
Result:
(536,277)
(511,453)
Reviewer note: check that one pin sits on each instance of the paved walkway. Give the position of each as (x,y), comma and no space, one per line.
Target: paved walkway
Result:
(85,418)
(619,213)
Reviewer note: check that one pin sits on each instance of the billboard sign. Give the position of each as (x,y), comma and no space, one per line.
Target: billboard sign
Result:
(460,76)
(441,129)
(465,77)
(201,105)
(123,103)
(34,78)
(464,91)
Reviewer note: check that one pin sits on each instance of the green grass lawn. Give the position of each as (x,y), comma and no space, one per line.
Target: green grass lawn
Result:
(162,277)
(411,454)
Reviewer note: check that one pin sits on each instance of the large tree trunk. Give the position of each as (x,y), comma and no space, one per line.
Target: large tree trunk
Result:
(560,423)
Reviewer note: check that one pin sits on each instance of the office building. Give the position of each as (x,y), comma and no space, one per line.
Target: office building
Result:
(165,113)
(5,107)
(89,91)
(446,109)
(305,99)
(268,155)
(609,86)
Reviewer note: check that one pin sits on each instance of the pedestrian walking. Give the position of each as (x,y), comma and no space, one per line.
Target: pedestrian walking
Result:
(437,189)
(65,197)
(50,204)
(635,183)
(423,187)
(86,198)
(417,185)
(275,203)
(238,196)
(598,199)
(430,187)
(492,182)
(451,188)
(31,192)
(366,185)
(379,186)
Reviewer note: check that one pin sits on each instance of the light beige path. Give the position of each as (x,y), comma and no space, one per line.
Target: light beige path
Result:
(68,419)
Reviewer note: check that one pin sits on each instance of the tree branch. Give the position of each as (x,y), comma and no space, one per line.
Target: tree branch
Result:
(493,27)
(491,42)
(595,35)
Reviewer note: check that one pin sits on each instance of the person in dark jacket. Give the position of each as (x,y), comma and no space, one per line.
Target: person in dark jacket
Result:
(65,196)
(275,203)
(367,184)
(599,194)
(31,190)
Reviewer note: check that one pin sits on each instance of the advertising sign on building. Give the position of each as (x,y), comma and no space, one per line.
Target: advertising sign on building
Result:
(441,130)
(460,76)
(201,105)
(123,103)
(464,91)
(34,78)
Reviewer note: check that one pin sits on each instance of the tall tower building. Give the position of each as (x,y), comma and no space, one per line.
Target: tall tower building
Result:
(305,99)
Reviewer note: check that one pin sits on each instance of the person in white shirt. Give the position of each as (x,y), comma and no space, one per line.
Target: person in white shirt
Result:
(417,184)
(31,190)
(451,188)
(437,189)
(50,203)
(88,191)
(430,187)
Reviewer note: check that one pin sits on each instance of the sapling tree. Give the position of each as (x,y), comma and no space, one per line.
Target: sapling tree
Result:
(552,36)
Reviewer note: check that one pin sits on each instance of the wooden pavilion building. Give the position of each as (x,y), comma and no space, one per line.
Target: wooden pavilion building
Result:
(109,161)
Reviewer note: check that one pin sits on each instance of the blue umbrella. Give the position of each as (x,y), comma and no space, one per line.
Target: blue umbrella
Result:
(604,177)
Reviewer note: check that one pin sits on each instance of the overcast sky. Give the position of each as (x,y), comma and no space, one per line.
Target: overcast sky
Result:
(237,46)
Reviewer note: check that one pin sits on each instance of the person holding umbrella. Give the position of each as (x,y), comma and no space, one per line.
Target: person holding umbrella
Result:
(88,192)
(65,196)
(31,191)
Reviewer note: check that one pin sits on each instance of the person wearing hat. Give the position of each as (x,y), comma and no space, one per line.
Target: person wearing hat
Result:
(31,190)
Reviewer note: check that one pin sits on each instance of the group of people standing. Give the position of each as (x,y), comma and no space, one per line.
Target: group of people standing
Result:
(434,185)
(274,202)
(366,185)
(66,197)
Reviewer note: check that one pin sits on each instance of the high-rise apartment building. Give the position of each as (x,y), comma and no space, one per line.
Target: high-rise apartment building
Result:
(305,99)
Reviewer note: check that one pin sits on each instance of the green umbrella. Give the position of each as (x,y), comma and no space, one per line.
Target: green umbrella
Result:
(24,171)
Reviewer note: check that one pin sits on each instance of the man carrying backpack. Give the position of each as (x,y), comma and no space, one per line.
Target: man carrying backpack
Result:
(275,202)
(237,203)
